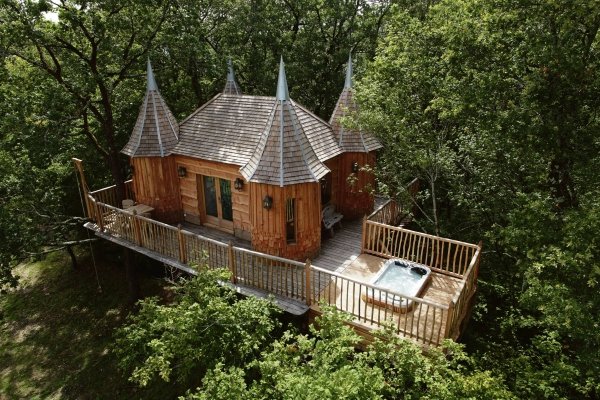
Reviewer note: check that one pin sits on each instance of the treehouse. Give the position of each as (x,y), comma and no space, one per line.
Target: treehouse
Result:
(257,184)
(264,169)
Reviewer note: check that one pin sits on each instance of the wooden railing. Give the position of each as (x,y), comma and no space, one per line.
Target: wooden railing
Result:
(108,195)
(441,254)
(460,302)
(446,256)
(390,212)
(387,213)
(424,321)
(273,274)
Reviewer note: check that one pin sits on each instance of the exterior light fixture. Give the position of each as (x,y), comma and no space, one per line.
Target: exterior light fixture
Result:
(181,171)
(238,184)
(355,167)
(267,202)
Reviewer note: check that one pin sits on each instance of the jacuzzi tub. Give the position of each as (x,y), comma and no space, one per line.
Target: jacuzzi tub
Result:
(399,276)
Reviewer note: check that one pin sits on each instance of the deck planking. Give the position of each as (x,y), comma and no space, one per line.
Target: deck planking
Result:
(421,322)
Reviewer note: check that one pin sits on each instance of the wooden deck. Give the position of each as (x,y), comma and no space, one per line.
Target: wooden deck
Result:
(340,275)
(423,322)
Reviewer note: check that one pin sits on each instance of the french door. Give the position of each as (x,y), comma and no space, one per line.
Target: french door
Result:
(216,193)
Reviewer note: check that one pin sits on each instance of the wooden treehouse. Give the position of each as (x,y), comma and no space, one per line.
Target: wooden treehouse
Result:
(260,185)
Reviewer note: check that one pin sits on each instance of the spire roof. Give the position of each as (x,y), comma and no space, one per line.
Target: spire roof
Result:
(350,140)
(282,86)
(231,86)
(284,155)
(348,83)
(156,131)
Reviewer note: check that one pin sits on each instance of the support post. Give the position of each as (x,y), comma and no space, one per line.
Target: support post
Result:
(181,240)
(232,266)
(136,228)
(84,187)
(100,218)
(307,283)
(449,320)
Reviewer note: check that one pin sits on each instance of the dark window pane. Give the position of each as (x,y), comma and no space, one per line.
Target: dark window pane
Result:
(210,196)
(225,187)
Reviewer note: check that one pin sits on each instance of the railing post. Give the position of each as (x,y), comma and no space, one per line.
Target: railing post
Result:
(181,240)
(232,266)
(364,235)
(99,217)
(449,320)
(136,228)
(307,285)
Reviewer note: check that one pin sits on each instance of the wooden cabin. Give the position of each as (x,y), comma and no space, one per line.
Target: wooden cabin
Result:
(261,168)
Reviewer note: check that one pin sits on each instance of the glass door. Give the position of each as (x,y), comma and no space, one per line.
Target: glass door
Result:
(210,200)
(216,194)
(226,203)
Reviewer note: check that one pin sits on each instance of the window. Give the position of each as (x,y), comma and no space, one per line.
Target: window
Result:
(290,220)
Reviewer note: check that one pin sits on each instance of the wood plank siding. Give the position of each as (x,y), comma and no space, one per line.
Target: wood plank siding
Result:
(356,198)
(191,193)
(269,226)
(155,184)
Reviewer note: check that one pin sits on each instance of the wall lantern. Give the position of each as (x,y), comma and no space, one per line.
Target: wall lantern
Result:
(181,171)
(355,167)
(267,202)
(238,184)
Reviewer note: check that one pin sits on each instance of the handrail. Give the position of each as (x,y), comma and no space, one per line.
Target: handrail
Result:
(427,235)
(378,209)
(111,187)
(388,291)
(306,282)
(370,306)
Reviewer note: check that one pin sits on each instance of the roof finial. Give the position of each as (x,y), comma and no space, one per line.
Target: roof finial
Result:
(230,74)
(151,82)
(282,87)
(348,83)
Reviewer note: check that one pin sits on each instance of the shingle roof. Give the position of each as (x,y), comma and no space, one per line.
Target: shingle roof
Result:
(156,130)
(231,86)
(240,129)
(350,140)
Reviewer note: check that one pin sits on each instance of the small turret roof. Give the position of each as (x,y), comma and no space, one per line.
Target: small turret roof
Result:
(348,139)
(231,86)
(156,130)
(284,154)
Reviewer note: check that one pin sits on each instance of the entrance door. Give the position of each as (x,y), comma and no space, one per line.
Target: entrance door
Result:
(216,194)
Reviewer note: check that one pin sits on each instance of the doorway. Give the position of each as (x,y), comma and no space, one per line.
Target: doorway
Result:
(216,201)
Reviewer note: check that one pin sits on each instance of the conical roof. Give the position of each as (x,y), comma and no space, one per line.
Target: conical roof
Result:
(350,140)
(231,86)
(156,130)
(284,155)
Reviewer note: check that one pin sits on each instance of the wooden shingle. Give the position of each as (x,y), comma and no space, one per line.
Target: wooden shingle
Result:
(350,140)
(156,131)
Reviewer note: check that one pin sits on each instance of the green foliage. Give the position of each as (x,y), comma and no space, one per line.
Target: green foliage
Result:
(502,96)
(325,365)
(206,325)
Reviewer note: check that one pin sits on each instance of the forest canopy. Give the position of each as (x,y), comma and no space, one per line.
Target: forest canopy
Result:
(492,104)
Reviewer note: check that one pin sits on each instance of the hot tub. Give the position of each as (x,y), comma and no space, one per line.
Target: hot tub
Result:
(399,276)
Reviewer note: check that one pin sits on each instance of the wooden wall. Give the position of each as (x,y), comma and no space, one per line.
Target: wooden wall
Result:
(334,164)
(193,209)
(355,201)
(269,228)
(155,183)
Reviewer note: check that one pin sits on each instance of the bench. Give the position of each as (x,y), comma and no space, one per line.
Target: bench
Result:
(330,218)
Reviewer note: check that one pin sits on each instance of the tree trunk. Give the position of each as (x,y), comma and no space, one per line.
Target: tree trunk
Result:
(131,275)
(72,255)
(434,205)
